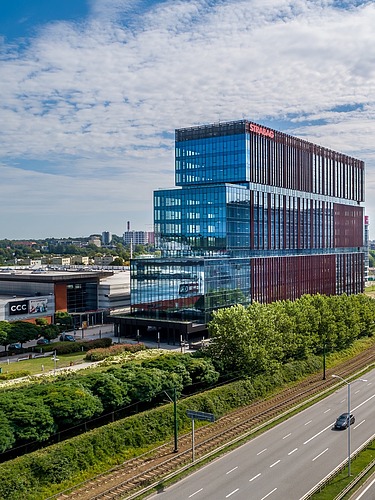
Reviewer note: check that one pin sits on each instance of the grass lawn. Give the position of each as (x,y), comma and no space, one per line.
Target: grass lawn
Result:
(40,365)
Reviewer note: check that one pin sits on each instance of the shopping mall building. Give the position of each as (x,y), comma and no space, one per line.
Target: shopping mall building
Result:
(256,215)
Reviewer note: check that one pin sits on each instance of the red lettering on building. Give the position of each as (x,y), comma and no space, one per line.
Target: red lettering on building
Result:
(262,131)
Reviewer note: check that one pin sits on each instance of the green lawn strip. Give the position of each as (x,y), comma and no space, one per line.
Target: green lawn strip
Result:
(35,366)
(340,481)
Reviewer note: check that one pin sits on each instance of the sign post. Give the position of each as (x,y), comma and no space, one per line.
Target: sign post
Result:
(197,415)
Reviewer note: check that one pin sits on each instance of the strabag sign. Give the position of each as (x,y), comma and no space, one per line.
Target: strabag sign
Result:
(18,307)
(262,130)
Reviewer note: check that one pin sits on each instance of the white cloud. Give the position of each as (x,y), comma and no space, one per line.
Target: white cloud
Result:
(100,100)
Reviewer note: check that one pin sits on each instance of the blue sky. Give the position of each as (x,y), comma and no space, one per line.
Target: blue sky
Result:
(92,91)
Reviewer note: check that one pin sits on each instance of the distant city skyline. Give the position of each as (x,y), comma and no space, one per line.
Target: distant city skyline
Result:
(93,90)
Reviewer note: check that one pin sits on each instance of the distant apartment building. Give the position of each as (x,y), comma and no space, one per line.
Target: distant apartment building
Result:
(95,240)
(138,237)
(61,261)
(106,238)
(28,262)
(79,259)
(104,260)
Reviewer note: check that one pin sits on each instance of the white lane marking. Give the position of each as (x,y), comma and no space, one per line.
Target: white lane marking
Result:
(359,423)
(316,435)
(234,468)
(195,492)
(343,401)
(309,422)
(287,435)
(365,490)
(356,392)
(232,493)
(275,463)
(268,494)
(320,454)
(295,449)
(252,479)
(265,449)
(363,402)
(329,409)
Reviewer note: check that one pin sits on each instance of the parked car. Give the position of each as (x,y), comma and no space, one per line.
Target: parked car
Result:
(43,341)
(343,421)
(67,338)
(14,347)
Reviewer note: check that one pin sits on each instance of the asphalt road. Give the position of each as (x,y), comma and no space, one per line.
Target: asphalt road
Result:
(367,491)
(287,461)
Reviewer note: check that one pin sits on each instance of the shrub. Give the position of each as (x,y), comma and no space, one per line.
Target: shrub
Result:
(18,374)
(81,345)
(113,350)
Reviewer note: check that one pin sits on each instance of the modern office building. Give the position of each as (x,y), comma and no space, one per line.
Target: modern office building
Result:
(256,215)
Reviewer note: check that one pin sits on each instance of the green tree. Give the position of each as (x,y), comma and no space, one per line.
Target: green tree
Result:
(50,332)
(371,258)
(112,392)
(7,438)
(64,319)
(30,418)
(4,332)
(232,331)
(22,331)
(145,384)
(71,402)
(118,261)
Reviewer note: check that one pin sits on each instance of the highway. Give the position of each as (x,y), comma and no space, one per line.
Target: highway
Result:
(287,461)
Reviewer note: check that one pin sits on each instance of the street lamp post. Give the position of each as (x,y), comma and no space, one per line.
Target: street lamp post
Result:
(54,363)
(348,384)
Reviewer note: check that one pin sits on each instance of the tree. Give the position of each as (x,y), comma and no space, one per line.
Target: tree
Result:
(29,418)
(7,438)
(145,384)
(232,332)
(111,391)
(4,332)
(50,332)
(22,331)
(118,261)
(70,402)
(64,319)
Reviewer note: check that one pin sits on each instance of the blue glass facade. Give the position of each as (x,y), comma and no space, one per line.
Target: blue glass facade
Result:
(256,215)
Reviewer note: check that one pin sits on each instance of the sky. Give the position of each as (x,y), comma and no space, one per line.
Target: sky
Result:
(91,92)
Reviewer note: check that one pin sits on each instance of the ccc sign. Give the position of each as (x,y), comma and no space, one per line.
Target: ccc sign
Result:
(20,307)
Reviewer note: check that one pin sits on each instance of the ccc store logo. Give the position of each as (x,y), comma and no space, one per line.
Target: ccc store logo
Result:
(19,307)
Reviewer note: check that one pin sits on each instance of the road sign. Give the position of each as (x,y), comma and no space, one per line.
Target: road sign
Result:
(200,415)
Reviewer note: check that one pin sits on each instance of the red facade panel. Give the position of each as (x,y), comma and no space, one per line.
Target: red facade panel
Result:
(61,298)
(348,226)
(282,278)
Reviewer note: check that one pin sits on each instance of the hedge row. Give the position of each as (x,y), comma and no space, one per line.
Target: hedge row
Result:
(98,354)
(42,473)
(81,345)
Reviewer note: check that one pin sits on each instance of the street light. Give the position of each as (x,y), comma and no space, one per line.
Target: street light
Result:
(348,384)
(54,363)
